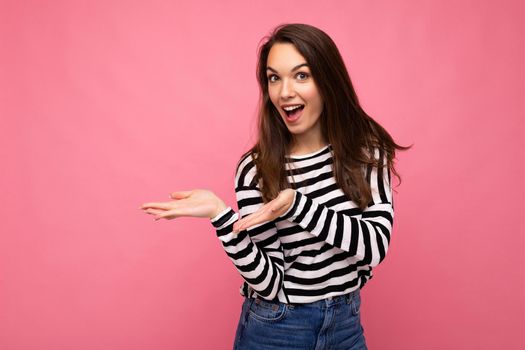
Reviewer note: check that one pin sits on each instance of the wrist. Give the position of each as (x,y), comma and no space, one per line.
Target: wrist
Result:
(220,207)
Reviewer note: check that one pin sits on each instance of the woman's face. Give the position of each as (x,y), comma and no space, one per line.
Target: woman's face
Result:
(293,91)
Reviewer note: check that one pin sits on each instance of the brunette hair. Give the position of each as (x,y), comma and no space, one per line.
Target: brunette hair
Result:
(352,133)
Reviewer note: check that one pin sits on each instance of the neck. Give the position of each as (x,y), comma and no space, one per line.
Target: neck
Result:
(304,144)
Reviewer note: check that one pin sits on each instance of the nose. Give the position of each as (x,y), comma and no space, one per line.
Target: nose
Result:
(287,89)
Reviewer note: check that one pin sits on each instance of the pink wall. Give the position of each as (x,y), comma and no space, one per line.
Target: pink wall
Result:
(106,106)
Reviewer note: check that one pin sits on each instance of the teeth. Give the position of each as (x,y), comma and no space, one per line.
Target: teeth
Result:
(291,108)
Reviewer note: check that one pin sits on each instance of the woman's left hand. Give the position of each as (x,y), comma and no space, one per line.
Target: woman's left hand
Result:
(268,212)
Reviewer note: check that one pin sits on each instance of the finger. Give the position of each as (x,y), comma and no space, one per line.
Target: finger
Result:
(266,213)
(154,211)
(254,219)
(169,214)
(239,225)
(180,194)
(164,205)
(236,226)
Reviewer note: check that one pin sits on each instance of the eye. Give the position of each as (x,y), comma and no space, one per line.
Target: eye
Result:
(302,75)
(271,78)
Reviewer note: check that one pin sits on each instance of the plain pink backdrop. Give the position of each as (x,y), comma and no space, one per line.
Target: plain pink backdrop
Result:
(107,105)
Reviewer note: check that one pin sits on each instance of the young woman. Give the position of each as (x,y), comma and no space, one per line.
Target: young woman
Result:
(314,196)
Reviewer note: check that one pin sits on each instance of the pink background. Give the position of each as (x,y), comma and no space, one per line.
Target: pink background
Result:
(107,105)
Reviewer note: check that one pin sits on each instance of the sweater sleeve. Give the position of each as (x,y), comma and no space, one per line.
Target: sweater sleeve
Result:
(367,238)
(257,252)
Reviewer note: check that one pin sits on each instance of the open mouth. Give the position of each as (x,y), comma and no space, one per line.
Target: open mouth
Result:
(293,110)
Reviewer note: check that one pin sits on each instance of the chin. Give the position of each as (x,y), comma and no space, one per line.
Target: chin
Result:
(295,130)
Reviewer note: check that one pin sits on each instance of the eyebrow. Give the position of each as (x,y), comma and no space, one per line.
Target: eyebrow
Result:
(293,69)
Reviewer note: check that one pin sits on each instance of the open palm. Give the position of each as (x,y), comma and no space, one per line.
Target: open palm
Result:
(194,203)
(268,212)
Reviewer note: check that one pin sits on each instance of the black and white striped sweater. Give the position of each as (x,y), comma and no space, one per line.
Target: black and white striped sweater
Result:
(323,246)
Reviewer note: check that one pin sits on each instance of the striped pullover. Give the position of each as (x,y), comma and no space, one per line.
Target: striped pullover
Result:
(323,246)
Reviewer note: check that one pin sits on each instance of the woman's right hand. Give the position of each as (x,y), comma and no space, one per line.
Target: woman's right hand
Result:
(194,203)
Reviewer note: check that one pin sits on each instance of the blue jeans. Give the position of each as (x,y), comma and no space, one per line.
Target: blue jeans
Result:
(333,323)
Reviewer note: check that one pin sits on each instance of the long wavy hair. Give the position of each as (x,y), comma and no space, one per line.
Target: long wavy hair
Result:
(352,133)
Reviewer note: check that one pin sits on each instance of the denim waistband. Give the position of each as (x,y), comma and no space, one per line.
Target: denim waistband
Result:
(323,303)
